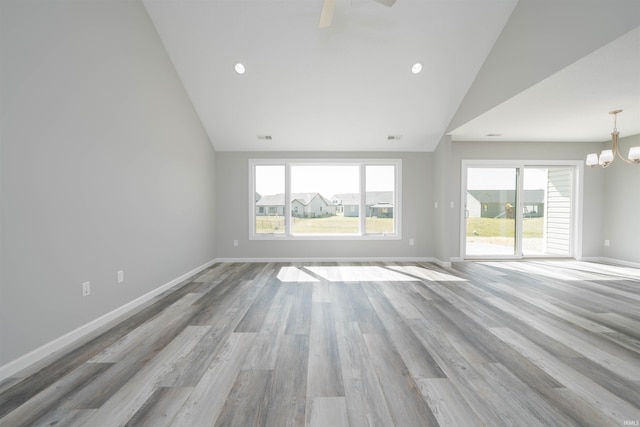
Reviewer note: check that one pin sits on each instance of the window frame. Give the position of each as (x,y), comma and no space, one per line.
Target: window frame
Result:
(362,164)
(576,195)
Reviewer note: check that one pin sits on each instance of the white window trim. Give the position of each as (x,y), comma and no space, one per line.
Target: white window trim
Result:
(287,235)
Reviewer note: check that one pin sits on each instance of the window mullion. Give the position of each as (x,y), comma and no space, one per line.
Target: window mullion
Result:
(287,199)
(519,209)
(363,200)
(397,199)
(252,197)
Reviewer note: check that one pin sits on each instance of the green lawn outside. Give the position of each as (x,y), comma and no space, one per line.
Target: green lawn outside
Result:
(484,227)
(270,224)
(325,225)
(492,227)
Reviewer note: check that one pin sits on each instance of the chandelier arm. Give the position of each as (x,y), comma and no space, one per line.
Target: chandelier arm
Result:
(616,148)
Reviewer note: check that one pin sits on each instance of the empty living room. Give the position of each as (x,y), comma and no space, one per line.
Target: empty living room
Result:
(319,213)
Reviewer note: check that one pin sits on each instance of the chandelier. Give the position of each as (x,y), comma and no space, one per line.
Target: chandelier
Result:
(608,156)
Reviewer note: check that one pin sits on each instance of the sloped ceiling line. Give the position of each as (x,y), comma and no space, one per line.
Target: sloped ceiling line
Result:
(348,87)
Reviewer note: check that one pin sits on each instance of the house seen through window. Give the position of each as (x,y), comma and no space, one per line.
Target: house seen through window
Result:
(307,198)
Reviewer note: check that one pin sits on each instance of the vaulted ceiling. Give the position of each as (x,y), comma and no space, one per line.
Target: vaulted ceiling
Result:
(534,70)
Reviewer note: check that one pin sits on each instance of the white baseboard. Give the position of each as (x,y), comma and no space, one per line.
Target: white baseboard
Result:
(445,264)
(333,259)
(611,261)
(60,343)
(341,259)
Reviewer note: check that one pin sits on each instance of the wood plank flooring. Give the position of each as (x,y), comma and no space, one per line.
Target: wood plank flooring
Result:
(553,343)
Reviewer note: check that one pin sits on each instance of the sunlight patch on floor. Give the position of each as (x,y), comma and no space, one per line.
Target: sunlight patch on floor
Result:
(294,274)
(359,274)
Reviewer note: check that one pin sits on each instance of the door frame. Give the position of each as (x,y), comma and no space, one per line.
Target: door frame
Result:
(577,204)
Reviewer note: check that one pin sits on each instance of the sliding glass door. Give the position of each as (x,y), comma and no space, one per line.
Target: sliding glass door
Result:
(490,213)
(515,211)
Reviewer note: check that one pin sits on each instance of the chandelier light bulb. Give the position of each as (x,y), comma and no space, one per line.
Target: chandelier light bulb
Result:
(606,157)
(592,159)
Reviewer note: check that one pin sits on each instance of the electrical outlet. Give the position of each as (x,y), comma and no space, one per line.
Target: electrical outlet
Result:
(451,204)
(436,205)
(235,243)
(120,276)
(411,242)
(86,289)
(607,242)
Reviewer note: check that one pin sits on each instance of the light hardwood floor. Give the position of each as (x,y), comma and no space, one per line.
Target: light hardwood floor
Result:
(355,344)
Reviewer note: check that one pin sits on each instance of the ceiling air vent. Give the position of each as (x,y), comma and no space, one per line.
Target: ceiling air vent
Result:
(394,137)
(265,137)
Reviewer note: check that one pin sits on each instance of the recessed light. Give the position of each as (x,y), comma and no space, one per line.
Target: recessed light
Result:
(239,67)
(416,68)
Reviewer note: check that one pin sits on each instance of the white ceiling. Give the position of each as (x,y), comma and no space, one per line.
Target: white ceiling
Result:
(573,104)
(348,87)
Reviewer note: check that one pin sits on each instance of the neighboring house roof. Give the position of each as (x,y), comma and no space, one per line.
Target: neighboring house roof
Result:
(373,197)
(346,199)
(306,198)
(271,200)
(278,199)
(501,196)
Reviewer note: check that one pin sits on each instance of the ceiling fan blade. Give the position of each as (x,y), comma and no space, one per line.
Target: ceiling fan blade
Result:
(326,15)
(386,2)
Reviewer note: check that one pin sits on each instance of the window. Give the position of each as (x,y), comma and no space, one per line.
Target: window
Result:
(325,199)
(380,184)
(269,199)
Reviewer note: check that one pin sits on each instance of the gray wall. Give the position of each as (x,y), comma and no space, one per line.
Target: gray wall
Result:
(622,206)
(105,167)
(593,183)
(443,213)
(232,170)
